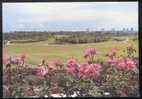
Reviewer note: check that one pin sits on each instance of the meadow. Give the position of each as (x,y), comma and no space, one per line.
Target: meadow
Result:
(36,51)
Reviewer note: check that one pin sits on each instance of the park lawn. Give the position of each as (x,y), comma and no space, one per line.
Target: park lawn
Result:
(37,51)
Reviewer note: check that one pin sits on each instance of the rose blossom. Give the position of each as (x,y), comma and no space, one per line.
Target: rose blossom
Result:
(70,70)
(93,69)
(81,69)
(57,62)
(130,64)
(89,52)
(15,59)
(121,65)
(41,71)
(72,66)
(125,63)
(89,69)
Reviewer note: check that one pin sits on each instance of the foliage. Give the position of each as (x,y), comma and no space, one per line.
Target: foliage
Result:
(93,78)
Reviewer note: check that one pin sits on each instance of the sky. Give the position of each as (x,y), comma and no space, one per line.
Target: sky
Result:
(73,16)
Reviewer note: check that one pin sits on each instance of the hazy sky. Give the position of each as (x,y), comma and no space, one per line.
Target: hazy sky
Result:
(69,16)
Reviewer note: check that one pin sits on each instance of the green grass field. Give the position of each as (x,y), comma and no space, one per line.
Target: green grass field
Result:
(37,51)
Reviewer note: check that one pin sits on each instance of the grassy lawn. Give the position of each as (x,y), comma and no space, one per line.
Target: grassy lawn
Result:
(41,50)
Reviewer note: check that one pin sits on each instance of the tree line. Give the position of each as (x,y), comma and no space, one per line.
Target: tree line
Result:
(72,37)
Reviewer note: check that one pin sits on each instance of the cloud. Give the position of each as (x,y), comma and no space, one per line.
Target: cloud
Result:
(101,13)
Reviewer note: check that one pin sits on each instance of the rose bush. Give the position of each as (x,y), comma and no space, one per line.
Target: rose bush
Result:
(117,76)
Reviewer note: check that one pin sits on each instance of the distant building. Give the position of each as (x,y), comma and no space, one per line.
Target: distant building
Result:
(132,29)
(124,29)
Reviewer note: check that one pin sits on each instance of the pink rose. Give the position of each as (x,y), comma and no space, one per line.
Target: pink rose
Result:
(89,52)
(57,62)
(41,71)
(72,66)
(130,64)
(121,65)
